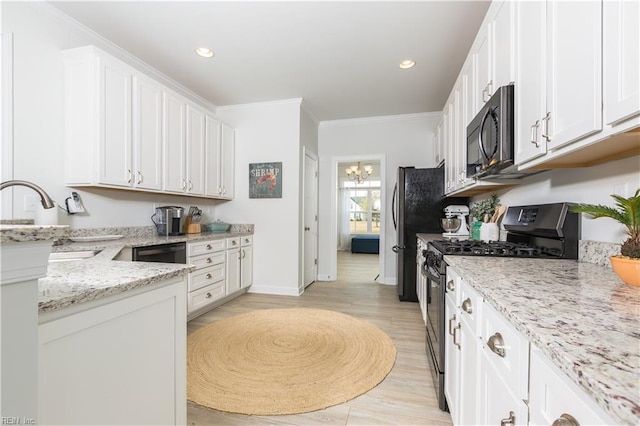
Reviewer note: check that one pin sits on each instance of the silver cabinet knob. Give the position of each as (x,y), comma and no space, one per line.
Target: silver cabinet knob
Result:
(466,306)
(208,295)
(511,420)
(208,276)
(234,242)
(208,247)
(496,344)
(209,260)
(565,420)
(246,240)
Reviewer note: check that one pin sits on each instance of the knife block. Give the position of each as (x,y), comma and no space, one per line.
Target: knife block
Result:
(191,228)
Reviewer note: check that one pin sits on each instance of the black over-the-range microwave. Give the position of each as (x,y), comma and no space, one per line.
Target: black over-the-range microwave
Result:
(490,136)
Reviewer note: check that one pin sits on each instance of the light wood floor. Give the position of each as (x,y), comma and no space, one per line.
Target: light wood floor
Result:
(405,397)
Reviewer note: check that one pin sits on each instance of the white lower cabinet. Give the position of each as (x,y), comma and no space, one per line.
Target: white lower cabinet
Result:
(233,265)
(246,261)
(452,346)
(121,362)
(553,396)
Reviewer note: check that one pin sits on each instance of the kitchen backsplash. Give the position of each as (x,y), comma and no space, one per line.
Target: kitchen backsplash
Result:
(140,231)
(597,252)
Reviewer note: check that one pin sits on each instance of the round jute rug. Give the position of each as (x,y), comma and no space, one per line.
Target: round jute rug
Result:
(285,361)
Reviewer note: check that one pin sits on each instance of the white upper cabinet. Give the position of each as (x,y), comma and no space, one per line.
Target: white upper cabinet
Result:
(220,159)
(174,143)
(212,184)
(147,134)
(621,64)
(125,130)
(559,86)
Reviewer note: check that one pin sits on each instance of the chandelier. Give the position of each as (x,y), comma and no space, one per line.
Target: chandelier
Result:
(358,175)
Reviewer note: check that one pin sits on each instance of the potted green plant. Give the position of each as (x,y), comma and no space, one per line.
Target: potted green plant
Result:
(478,212)
(627,213)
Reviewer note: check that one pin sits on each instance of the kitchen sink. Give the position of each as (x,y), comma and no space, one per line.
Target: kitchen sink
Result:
(65,256)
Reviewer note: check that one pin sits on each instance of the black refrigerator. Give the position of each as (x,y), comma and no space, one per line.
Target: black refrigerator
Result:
(418,200)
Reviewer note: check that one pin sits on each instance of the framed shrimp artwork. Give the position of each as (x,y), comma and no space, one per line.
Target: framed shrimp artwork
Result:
(265,180)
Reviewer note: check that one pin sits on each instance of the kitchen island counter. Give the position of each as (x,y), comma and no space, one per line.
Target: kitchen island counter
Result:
(70,283)
(579,314)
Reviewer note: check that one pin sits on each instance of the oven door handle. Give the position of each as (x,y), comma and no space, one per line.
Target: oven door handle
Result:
(397,248)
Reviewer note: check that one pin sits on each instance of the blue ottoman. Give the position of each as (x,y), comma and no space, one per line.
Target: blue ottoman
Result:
(365,244)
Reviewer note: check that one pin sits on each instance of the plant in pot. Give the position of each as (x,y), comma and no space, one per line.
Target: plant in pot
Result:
(478,212)
(626,212)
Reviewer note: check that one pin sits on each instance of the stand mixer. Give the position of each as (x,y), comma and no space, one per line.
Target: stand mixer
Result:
(455,222)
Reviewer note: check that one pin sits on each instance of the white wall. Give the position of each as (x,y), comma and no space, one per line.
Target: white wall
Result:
(39,35)
(268,132)
(592,185)
(398,141)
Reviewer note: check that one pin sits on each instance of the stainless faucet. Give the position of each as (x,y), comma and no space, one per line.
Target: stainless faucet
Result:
(47,202)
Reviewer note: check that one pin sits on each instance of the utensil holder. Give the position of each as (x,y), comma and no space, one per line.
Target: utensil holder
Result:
(489,231)
(191,228)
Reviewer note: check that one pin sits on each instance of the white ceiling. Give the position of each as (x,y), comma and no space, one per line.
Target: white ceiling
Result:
(341,57)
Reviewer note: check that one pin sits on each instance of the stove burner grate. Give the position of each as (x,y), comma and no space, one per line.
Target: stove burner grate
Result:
(495,248)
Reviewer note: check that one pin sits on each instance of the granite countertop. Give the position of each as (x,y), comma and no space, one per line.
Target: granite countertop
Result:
(579,314)
(20,233)
(73,282)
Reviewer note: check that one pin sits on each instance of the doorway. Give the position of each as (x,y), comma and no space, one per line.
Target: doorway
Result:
(310,219)
(359,191)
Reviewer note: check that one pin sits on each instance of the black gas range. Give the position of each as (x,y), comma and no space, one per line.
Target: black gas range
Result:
(544,231)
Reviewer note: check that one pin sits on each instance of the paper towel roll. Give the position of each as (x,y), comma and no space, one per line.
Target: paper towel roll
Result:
(47,216)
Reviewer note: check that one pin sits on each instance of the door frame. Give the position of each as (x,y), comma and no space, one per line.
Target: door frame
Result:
(311,155)
(333,237)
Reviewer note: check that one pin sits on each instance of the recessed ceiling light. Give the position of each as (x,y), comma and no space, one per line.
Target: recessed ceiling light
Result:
(205,52)
(409,63)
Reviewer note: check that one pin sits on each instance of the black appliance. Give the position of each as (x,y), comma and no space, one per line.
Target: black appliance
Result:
(418,200)
(545,231)
(165,253)
(490,136)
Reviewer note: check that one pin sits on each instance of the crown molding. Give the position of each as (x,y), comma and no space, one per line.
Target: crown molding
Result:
(297,101)
(352,121)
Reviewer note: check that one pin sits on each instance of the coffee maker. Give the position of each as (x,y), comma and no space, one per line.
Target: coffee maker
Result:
(455,222)
(169,220)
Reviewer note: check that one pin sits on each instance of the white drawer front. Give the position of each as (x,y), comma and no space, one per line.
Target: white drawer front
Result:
(513,364)
(205,296)
(206,260)
(204,277)
(471,307)
(233,242)
(247,240)
(203,247)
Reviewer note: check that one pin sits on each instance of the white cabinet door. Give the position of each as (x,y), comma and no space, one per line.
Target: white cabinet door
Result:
(482,55)
(574,71)
(115,167)
(621,60)
(503,45)
(232,278)
(212,162)
(195,154)
(174,143)
(530,95)
(452,359)
(227,163)
(147,136)
(246,270)
(469,375)
(497,404)
(449,165)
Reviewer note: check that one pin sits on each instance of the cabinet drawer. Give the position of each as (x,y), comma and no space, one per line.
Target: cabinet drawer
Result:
(205,296)
(513,364)
(206,276)
(471,308)
(203,247)
(247,240)
(233,242)
(206,260)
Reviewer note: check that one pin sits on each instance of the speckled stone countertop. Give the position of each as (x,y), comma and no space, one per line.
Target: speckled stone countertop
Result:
(72,282)
(579,314)
(22,233)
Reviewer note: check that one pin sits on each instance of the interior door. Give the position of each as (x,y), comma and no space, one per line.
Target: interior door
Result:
(310,233)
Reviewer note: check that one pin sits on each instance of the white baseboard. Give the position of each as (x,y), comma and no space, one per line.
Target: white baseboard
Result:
(390,281)
(326,277)
(280,291)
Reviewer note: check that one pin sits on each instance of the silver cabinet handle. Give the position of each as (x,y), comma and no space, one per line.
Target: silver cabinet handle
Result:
(466,306)
(208,276)
(209,260)
(456,328)
(208,247)
(534,133)
(208,296)
(190,185)
(184,184)
(450,285)
(307,228)
(130,176)
(565,420)
(243,254)
(496,344)
(511,420)
(139,181)
(451,320)
(545,132)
